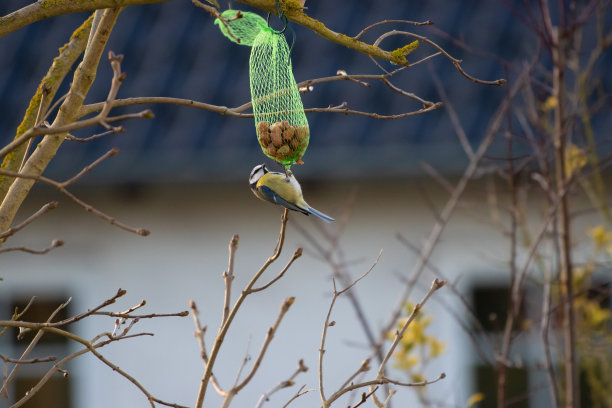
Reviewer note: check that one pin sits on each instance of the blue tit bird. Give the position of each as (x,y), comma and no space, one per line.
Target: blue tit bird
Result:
(282,189)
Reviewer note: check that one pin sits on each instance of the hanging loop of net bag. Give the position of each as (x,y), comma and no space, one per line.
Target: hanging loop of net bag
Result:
(280,122)
(240,27)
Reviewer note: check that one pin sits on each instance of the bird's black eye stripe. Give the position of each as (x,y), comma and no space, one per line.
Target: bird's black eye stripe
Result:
(254,171)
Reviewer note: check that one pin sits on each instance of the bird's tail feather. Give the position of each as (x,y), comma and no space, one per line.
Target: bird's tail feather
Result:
(319,214)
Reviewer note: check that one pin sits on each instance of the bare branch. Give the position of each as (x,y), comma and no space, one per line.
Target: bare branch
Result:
(494,125)
(54,244)
(416,384)
(61,186)
(47,148)
(146,316)
(284,384)
(415,23)
(228,277)
(60,67)
(463,139)
(298,394)
(456,62)
(89,346)
(113,131)
(32,361)
(269,336)
(296,255)
(38,11)
(327,402)
(112,152)
(31,345)
(435,285)
(225,326)
(199,334)
(43,210)
(86,123)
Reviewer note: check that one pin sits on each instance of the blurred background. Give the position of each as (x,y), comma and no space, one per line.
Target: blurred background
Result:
(183,175)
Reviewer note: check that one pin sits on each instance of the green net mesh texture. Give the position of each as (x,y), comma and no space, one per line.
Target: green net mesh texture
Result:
(242,30)
(280,121)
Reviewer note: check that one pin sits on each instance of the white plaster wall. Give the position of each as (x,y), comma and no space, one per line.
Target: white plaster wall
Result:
(186,253)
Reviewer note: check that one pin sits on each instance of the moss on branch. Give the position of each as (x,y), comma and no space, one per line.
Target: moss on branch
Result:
(50,8)
(295,12)
(51,82)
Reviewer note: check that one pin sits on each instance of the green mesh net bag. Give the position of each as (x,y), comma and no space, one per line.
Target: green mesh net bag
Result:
(280,121)
(240,28)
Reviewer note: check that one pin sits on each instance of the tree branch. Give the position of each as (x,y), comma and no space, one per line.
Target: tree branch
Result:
(43,9)
(43,210)
(49,85)
(226,325)
(47,148)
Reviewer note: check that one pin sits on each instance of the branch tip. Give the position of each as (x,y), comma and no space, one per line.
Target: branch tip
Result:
(57,243)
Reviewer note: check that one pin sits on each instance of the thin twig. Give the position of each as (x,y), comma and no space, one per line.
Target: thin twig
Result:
(415,23)
(326,403)
(43,210)
(56,243)
(61,186)
(436,232)
(435,285)
(32,343)
(199,334)
(147,316)
(269,336)
(90,346)
(463,139)
(32,361)
(416,384)
(214,12)
(228,277)
(226,325)
(296,255)
(298,394)
(456,62)
(113,131)
(85,123)
(283,384)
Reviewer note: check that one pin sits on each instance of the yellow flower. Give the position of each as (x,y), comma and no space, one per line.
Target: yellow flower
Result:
(575,159)
(474,399)
(436,347)
(595,315)
(549,104)
(602,238)
(415,338)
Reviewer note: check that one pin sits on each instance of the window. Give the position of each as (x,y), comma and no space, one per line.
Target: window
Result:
(56,391)
(491,304)
(527,384)
(516,387)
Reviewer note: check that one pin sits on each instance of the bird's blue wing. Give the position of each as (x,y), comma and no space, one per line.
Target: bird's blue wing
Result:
(271,196)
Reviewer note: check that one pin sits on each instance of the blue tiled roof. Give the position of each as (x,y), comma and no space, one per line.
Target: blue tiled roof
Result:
(174,49)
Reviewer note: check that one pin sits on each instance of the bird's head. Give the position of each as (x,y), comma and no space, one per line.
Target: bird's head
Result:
(257,172)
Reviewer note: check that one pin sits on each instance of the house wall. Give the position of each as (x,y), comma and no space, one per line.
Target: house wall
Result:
(186,253)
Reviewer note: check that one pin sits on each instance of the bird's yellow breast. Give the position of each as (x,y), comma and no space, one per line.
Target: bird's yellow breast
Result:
(281,185)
